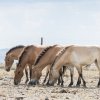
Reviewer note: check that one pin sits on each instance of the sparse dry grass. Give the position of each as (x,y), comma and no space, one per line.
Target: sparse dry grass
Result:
(24,92)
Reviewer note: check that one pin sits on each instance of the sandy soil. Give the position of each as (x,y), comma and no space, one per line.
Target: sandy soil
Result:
(8,91)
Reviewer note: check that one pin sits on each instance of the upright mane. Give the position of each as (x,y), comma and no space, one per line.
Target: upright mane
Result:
(24,53)
(59,54)
(20,46)
(43,52)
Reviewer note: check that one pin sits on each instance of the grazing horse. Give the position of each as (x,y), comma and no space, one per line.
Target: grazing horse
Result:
(14,54)
(11,55)
(28,56)
(77,56)
(45,58)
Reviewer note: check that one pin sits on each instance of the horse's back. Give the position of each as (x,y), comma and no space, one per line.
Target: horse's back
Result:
(84,55)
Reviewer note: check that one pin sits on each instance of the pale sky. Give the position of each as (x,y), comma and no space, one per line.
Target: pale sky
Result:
(23,22)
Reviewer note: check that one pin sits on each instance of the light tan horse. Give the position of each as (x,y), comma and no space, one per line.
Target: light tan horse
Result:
(46,57)
(77,56)
(28,56)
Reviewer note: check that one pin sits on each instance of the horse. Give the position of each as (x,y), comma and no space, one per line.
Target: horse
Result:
(77,56)
(45,58)
(28,56)
(13,54)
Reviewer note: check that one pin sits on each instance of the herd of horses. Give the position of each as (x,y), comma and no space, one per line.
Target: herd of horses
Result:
(56,58)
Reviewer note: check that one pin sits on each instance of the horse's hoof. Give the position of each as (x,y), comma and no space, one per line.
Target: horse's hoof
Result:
(58,84)
(69,85)
(98,86)
(49,85)
(77,85)
(26,81)
(84,86)
(62,85)
(43,84)
(31,83)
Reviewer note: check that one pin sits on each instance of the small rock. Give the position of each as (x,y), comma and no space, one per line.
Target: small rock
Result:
(53,96)
(63,91)
(1,78)
(91,81)
(67,97)
(46,98)
(19,98)
(74,91)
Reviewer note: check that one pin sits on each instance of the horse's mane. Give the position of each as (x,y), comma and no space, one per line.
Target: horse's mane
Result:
(59,54)
(16,47)
(42,53)
(24,53)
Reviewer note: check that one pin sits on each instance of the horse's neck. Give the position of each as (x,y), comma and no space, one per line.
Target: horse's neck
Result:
(37,50)
(29,57)
(60,62)
(16,53)
(41,66)
(57,65)
(47,59)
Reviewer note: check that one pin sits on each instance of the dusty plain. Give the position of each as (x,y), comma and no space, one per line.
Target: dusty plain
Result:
(8,91)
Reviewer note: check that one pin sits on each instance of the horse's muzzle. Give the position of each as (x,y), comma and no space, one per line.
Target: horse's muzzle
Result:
(16,82)
(33,82)
(50,83)
(8,69)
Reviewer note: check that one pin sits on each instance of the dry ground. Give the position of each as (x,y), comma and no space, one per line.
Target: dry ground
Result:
(8,91)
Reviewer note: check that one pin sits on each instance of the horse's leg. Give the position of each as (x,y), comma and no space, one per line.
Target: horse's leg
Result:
(60,79)
(47,73)
(26,72)
(30,69)
(63,69)
(84,83)
(61,75)
(98,66)
(45,77)
(80,77)
(71,74)
(61,72)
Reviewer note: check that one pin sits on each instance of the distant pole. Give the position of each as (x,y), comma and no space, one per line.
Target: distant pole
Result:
(41,40)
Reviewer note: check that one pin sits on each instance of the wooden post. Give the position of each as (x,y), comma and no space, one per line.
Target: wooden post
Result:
(41,40)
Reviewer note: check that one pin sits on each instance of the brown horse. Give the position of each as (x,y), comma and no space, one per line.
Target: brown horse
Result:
(28,56)
(11,55)
(77,56)
(46,57)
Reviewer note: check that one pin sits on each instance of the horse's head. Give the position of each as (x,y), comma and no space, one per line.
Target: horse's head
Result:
(8,62)
(18,75)
(36,74)
(53,76)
